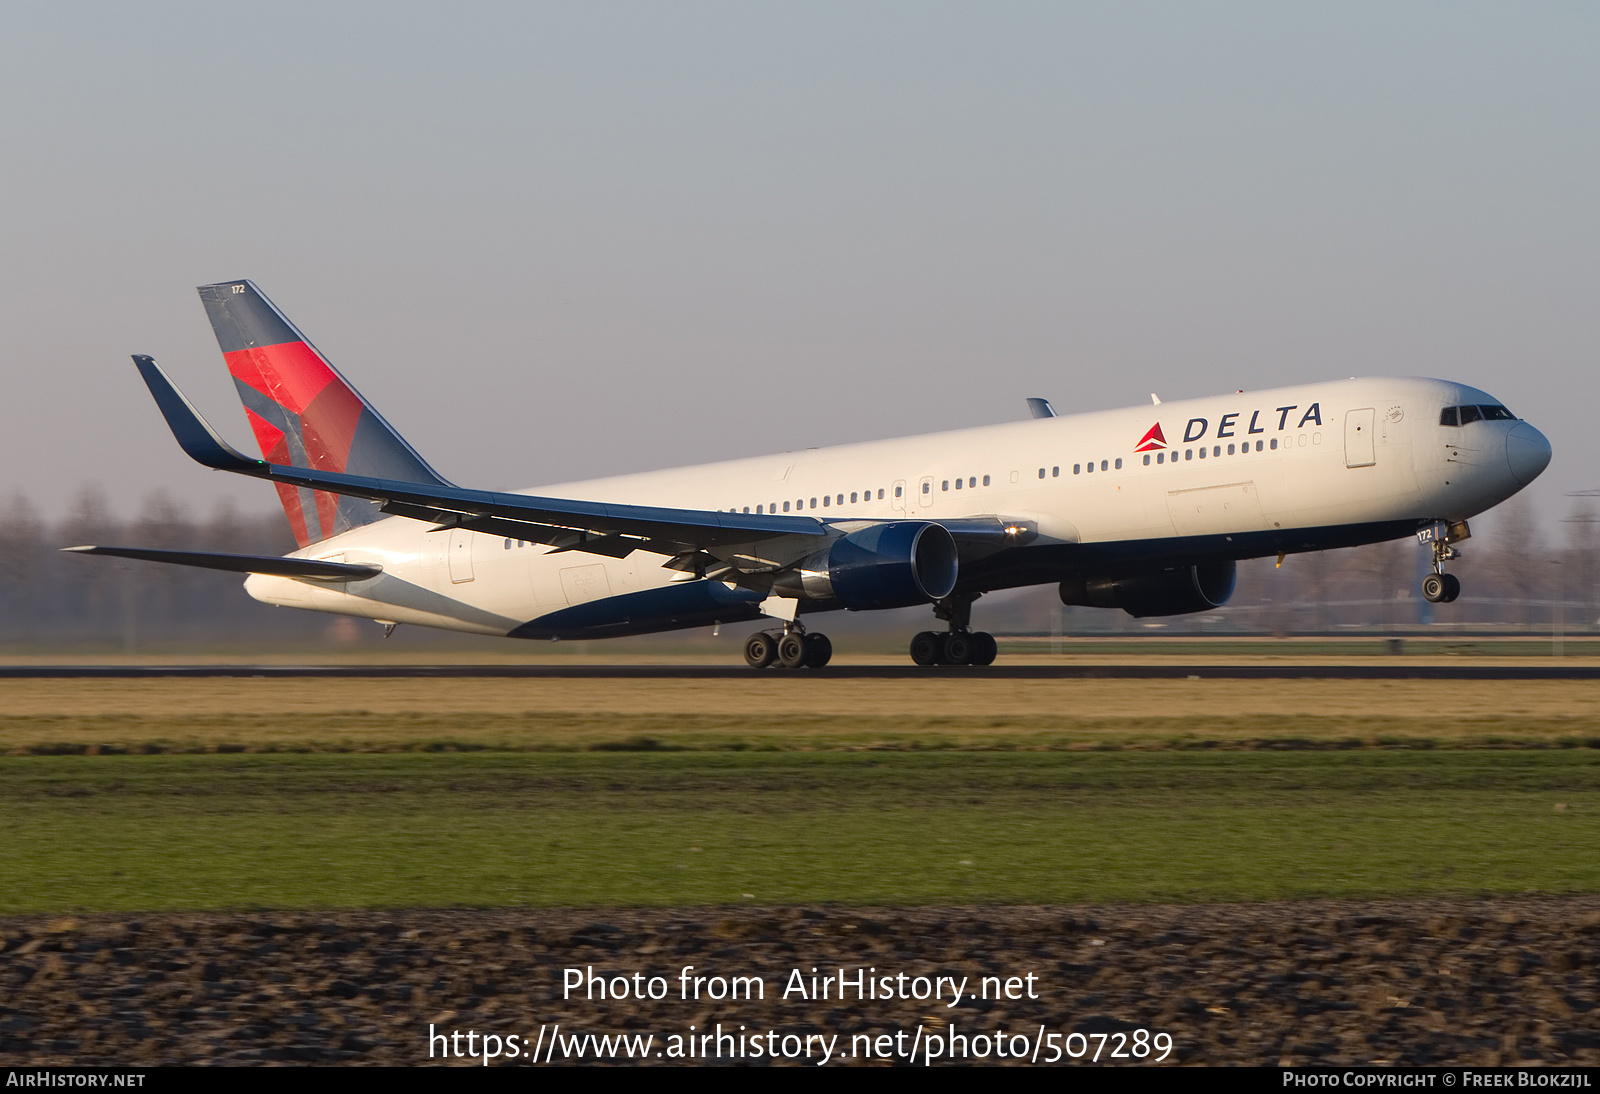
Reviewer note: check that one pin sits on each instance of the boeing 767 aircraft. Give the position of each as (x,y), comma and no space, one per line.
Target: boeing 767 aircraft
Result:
(1146,509)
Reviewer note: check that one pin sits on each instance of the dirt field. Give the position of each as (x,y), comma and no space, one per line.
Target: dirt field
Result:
(780,711)
(1499,982)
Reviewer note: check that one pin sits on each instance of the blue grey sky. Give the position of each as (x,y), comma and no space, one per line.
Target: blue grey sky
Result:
(562,241)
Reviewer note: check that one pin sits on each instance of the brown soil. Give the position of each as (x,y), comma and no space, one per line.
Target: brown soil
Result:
(1480,982)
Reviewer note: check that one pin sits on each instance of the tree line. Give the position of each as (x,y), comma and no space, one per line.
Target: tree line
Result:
(1512,573)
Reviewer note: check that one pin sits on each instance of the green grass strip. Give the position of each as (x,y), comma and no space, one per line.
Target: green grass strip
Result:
(156,833)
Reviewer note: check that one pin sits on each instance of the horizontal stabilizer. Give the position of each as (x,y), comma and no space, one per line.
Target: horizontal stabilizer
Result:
(243,564)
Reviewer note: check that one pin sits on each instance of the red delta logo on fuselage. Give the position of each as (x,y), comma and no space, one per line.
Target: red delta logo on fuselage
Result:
(1152,440)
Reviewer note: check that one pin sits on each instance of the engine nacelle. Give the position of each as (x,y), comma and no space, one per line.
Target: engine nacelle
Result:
(1178,591)
(893,565)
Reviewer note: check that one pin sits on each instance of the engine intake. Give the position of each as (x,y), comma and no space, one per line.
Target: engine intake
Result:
(893,565)
(1177,591)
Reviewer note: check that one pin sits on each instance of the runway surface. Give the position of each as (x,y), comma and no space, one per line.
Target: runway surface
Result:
(1379,671)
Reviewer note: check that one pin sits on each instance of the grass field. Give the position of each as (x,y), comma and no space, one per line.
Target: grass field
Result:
(485,829)
(212,794)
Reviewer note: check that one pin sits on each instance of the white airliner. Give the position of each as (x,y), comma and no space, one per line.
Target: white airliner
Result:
(1145,509)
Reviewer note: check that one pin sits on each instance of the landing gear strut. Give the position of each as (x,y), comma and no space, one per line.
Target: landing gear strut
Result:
(792,648)
(960,645)
(1440,587)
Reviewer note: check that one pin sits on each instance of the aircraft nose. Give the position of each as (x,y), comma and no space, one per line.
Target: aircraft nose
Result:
(1527,451)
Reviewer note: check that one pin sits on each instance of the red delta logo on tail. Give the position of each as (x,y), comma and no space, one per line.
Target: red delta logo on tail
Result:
(1152,440)
(303,413)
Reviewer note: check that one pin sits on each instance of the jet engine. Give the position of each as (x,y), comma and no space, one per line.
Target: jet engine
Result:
(893,565)
(1176,591)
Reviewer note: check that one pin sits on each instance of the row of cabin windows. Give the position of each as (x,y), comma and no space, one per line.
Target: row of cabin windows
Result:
(1466,415)
(971,482)
(1085,468)
(827,501)
(1216,450)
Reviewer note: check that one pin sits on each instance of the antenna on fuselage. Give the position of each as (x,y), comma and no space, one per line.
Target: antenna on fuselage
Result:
(1155,400)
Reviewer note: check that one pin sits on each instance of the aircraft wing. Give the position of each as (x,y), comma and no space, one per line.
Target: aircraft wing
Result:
(593,527)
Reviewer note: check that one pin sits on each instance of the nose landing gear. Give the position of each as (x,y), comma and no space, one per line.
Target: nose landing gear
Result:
(960,645)
(1440,587)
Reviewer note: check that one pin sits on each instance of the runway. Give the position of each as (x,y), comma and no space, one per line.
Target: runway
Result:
(1382,671)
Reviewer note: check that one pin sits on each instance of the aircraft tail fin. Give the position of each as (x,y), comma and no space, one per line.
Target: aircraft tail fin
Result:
(304,414)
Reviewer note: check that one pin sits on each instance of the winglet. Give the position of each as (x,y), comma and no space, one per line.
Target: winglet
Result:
(195,436)
(1041,408)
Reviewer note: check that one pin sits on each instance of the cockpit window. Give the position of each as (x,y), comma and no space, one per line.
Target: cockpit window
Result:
(1462,415)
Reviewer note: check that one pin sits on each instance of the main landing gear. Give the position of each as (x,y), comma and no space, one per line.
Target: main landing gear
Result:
(960,645)
(793,648)
(1440,587)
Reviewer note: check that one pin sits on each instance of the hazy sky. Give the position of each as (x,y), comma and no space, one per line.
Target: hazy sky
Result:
(561,241)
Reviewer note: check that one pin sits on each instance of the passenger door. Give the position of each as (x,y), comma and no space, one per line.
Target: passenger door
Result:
(1358,438)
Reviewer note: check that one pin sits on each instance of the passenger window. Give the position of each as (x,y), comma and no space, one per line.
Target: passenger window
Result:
(1470,414)
(927,487)
(972,482)
(758,510)
(958,484)
(852,497)
(1448,416)
(986,480)
(1274,444)
(1075,469)
(896,493)
(508,545)
(1161,457)
(1055,472)
(1202,453)
(785,507)
(746,508)
(1104,466)
(1230,450)
(1188,453)
(825,500)
(1090,467)
(1041,472)
(944,484)
(1258,446)
(813,503)
(1119,465)
(1146,460)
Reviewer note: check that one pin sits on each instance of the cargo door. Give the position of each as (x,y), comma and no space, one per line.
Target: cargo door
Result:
(460,555)
(1358,439)
(1216,510)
